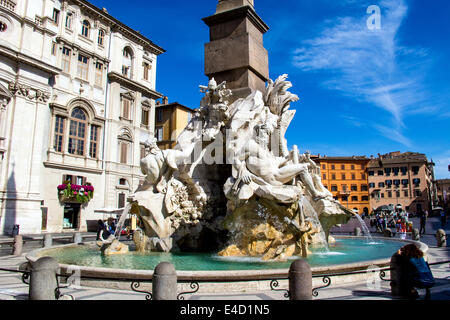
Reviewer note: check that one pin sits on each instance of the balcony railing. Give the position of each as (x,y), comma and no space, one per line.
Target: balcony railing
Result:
(8,4)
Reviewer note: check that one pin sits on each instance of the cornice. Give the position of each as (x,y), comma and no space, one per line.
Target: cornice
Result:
(23,58)
(119,26)
(130,84)
(241,12)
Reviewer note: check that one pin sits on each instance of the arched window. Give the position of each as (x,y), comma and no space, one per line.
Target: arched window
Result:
(127,62)
(101,37)
(77,132)
(85,28)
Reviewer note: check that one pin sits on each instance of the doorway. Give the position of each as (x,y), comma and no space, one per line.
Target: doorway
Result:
(71,216)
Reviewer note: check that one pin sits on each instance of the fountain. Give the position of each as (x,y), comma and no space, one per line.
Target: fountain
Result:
(230,198)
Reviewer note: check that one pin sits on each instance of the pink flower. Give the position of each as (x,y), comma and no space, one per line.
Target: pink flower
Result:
(85,193)
(74,192)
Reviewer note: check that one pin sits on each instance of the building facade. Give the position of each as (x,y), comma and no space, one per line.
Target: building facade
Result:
(170,121)
(346,178)
(404,179)
(77,90)
(443,194)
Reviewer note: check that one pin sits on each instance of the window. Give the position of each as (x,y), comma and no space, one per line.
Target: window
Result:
(83,67)
(54,48)
(332,167)
(416,182)
(381,184)
(397,194)
(389,194)
(344,188)
(145,116)
(77,132)
(66,60)
(98,74)
(69,19)
(404,170)
(159,133)
(343,166)
(334,188)
(380,172)
(387,171)
(59,134)
(159,115)
(333,176)
(363,176)
(101,37)
(352,167)
(121,200)
(405,193)
(85,28)
(388,183)
(405,182)
(324,176)
(127,62)
(3,26)
(147,69)
(353,176)
(382,195)
(397,183)
(143,151)
(417,193)
(344,198)
(371,185)
(415,170)
(364,187)
(365,198)
(93,145)
(55,16)
(354,187)
(371,173)
(343,176)
(123,182)
(396,170)
(126,105)
(123,152)
(354,198)
(324,166)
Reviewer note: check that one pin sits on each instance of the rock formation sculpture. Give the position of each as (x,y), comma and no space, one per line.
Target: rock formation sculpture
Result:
(232,185)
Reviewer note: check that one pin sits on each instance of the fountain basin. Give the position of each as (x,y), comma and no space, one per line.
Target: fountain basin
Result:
(255,276)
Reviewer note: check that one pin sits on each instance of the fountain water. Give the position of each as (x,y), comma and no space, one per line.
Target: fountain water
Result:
(121,221)
(364,228)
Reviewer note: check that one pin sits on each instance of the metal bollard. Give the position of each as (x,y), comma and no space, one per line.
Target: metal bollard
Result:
(77,238)
(441,238)
(17,245)
(164,283)
(48,240)
(300,280)
(43,281)
(357,232)
(415,235)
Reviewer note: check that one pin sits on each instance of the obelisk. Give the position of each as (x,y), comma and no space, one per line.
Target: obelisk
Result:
(236,53)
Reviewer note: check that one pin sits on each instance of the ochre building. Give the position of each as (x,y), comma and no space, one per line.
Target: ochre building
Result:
(346,178)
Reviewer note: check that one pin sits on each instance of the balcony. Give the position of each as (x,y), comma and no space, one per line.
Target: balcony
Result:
(8,4)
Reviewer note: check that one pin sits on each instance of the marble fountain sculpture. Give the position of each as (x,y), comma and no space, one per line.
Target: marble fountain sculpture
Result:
(232,185)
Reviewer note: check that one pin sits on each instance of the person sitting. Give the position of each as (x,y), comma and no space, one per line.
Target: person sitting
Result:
(417,272)
(100,227)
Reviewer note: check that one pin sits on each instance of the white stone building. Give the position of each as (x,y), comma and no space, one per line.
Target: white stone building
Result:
(77,93)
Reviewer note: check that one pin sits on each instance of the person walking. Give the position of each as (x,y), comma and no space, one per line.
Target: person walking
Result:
(423,220)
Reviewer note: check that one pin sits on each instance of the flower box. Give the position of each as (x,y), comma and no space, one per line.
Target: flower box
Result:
(75,193)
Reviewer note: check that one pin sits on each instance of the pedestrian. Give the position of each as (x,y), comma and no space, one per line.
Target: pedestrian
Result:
(416,272)
(402,229)
(423,220)
(100,227)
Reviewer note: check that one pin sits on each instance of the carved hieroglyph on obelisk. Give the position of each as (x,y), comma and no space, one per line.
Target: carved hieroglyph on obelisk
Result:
(236,53)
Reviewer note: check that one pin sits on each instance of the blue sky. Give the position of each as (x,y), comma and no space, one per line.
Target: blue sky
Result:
(362,91)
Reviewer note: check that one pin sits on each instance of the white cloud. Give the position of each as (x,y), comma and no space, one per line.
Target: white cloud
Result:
(370,66)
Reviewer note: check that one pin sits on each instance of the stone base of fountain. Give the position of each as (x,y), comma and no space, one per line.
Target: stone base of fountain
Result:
(113,248)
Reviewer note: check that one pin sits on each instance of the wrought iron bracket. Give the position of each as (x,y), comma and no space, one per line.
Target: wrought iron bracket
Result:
(327,281)
(194,286)
(274,284)
(135,285)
